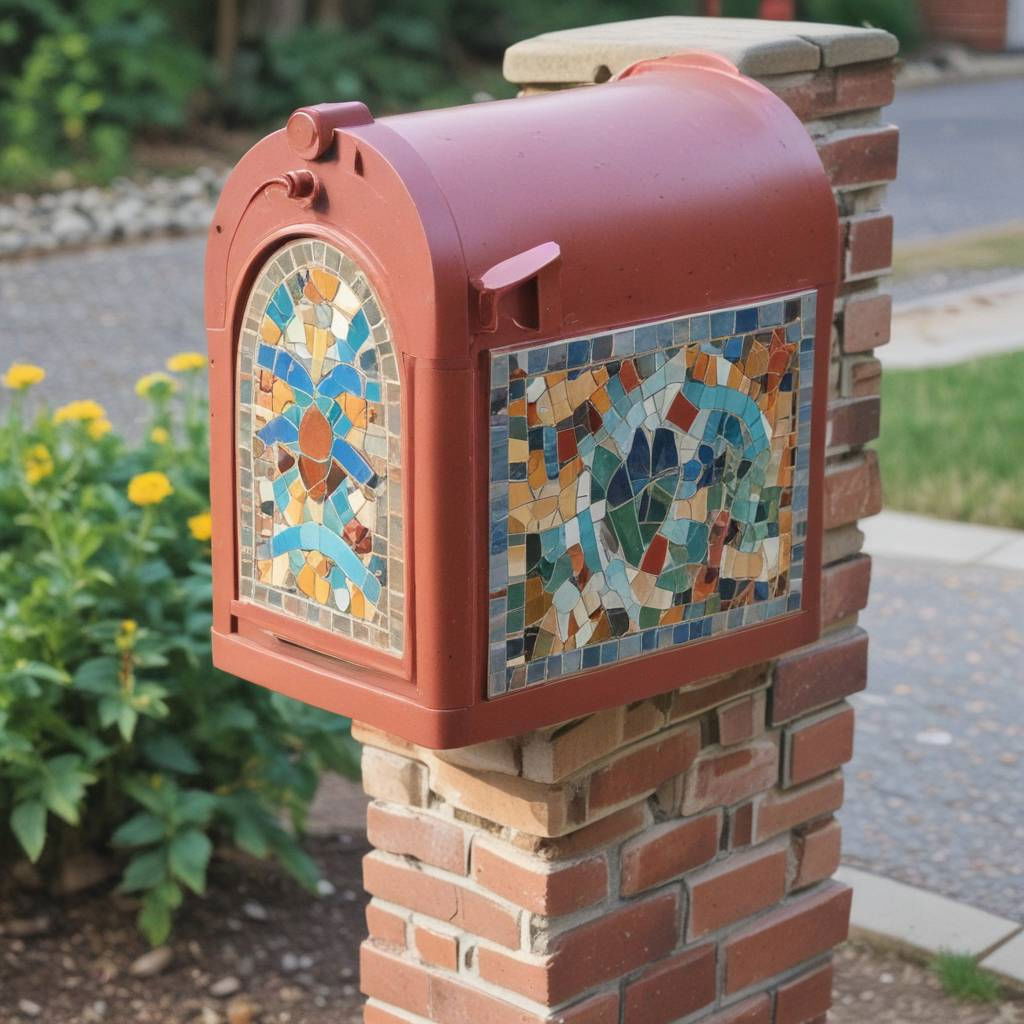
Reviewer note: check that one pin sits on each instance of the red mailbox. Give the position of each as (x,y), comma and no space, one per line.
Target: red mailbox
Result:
(518,408)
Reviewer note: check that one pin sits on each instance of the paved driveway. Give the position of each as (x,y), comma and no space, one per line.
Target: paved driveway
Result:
(961,157)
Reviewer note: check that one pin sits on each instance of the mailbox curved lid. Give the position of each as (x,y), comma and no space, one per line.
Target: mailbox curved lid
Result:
(681,186)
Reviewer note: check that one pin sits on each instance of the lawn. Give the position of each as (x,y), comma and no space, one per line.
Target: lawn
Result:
(952,443)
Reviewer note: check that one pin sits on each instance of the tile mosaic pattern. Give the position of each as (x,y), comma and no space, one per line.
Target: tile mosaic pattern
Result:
(648,488)
(319,458)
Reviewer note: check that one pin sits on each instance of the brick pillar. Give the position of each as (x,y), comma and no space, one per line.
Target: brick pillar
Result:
(671,859)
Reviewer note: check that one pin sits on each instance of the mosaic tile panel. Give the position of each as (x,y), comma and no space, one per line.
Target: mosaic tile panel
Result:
(319,461)
(648,488)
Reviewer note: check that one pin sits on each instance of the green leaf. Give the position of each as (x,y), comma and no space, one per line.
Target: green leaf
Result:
(126,720)
(28,823)
(145,871)
(170,753)
(97,675)
(40,670)
(155,918)
(300,866)
(64,786)
(141,830)
(188,857)
(196,806)
(250,836)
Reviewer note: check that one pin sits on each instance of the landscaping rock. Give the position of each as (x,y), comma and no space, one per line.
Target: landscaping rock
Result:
(124,210)
(225,987)
(152,963)
(29,1008)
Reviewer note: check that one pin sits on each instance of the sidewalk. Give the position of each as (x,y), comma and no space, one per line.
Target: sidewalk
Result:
(939,330)
(934,814)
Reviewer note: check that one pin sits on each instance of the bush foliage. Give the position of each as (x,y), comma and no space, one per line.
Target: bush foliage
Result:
(115,729)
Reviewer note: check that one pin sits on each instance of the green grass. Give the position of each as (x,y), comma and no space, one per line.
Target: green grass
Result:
(991,249)
(952,443)
(963,979)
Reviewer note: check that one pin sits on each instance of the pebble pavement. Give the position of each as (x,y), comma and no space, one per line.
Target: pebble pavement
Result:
(935,793)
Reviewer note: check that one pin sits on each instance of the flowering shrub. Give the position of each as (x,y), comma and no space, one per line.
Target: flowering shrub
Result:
(115,729)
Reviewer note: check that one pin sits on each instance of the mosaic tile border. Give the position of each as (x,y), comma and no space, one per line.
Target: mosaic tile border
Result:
(386,631)
(709,332)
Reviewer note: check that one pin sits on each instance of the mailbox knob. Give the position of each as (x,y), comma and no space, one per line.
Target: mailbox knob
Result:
(311,130)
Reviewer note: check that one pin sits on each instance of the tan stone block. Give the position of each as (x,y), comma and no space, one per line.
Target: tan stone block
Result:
(396,779)
(493,756)
(550,756)
(528,806)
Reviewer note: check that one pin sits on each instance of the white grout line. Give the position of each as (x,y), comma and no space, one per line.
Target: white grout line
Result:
(926,921)
(903,535)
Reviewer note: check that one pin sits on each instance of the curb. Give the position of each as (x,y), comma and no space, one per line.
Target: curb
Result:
(923,923)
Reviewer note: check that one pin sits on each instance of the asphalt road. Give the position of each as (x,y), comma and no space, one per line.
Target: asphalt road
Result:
(935,793)
(961,157)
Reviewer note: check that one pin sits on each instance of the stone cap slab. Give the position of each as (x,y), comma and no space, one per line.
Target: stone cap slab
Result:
(756,47)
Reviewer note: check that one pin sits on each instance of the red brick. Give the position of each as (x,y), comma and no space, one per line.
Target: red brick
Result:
(641,769)
(868,246)
(409,833)
(802,929)
(863,158)
(844,589)
(818,745)
(806,998)
(867,322)
(374,1013)
(865,86)
(740,886)
(741,825)
(757,1010)
(828,92)
(722,777)
(603,1009)
(742,720)
(620,825)
(816,852)
(441,899)
(437,948)
(583,957)
(433,995)
(695,700)
(675,988)
(853,490)
(820,674)
(553,892)
(778,812)
(385,926)
(853,421)
(391,979)
(863,376)
(668,851)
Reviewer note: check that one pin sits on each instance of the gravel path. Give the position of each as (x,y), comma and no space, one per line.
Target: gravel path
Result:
(935,794)
(97,320)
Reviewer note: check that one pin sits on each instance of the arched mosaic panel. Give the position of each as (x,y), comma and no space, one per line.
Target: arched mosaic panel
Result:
(319,458)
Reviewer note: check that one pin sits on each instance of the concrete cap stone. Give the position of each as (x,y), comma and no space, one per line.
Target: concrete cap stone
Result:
(757,48)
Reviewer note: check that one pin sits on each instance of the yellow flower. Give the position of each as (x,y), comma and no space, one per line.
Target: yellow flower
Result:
(84,410)
(99,428)
(149,488)
(187,362)
(129,625)
(155,383)
(38,463)
(159,435)
(200,526)
(20,376)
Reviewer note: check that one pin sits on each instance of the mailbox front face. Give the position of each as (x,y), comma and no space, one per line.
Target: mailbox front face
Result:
(649,489)
(319,453)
